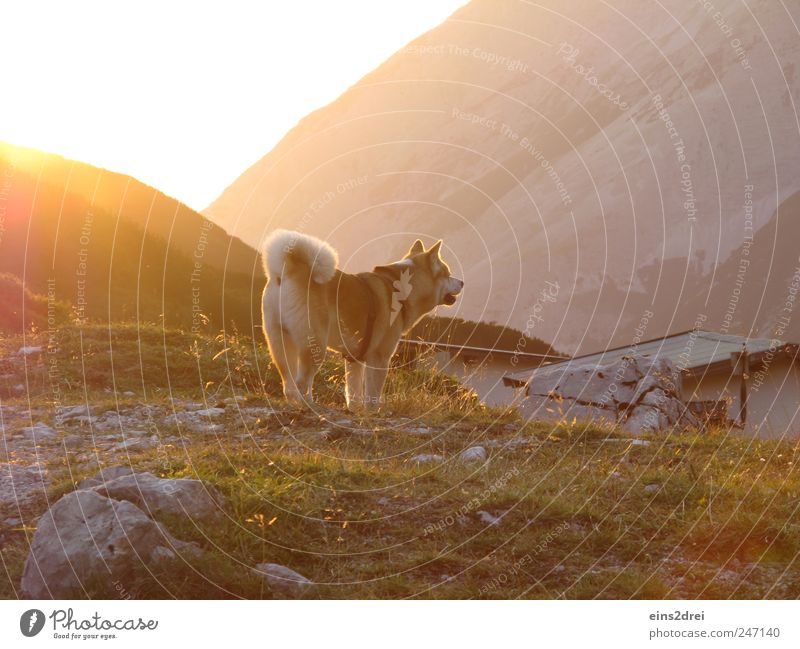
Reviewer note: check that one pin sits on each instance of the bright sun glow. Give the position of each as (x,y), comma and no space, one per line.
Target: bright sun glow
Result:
(186,96)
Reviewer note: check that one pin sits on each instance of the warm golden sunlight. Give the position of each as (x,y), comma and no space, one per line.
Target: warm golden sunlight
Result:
(183,95)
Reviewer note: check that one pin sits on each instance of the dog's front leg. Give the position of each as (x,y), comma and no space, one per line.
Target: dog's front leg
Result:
(354,390)
(375,377)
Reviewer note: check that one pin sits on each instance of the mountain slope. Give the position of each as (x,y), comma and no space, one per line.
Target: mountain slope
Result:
(609,149)
(116,249)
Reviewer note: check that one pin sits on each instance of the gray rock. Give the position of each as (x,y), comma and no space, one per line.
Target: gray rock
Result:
(39,432)
(622,440)
(132,443)
(426,458)
(180,496)
(652,488)
(284,582)
(419,430)
(67,413)
(21,485)
(73,441)
(210,412)
(473,454)
(27,351)
(489,519)
(86,540)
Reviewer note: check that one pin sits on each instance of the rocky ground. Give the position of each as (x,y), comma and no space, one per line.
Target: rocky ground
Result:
(159,493)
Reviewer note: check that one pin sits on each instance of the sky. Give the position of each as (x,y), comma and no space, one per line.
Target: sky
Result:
(185,96)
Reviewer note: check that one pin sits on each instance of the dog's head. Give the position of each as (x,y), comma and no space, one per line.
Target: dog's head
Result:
(422,280)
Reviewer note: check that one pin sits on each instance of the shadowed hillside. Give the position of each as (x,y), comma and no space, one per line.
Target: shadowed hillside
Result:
(117,249)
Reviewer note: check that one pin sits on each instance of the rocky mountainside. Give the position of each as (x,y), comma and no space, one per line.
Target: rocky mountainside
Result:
(631,154)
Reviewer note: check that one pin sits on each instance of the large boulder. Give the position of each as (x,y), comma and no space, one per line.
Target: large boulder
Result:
(180,496)
(638,393)
(88,541)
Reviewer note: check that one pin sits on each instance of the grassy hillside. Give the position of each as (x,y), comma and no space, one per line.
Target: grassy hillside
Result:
(563,510)
(118,250)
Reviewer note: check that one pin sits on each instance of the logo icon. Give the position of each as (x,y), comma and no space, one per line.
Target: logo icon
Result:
(31,622)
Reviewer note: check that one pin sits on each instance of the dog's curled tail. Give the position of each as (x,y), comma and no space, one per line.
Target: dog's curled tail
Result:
(283,248)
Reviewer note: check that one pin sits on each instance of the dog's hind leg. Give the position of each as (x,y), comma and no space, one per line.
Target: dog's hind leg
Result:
(284,355)
(310,358)
(354,391)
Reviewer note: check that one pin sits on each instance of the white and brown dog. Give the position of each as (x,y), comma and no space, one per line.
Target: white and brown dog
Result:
(310,306)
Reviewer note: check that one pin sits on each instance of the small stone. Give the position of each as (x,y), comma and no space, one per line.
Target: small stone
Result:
(131,443)
(283,581)
(419,430)
(652,488)
(426,458)
(39,432)
(26,351)
(210,412)
(473,454)
(624,440)
(66,413)
(73,441)
(489,519)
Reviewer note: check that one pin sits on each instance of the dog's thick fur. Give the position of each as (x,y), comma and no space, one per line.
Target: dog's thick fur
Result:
(310,306)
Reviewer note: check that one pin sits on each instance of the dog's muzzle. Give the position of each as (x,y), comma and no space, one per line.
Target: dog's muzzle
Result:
(449,299)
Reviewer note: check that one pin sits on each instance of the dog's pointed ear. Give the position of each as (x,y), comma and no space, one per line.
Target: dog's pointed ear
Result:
(415,249)
(435,249)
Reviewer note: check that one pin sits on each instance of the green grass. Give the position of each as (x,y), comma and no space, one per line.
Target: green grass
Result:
(352,513)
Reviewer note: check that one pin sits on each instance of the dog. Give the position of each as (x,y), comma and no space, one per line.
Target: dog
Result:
(310,306)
